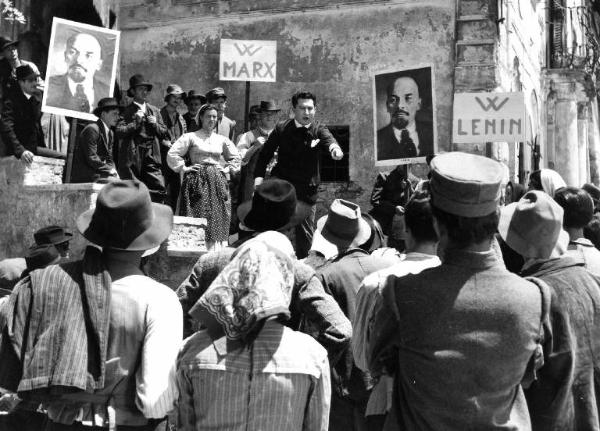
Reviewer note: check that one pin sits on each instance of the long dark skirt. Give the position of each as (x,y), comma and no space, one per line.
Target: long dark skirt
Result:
(205,194)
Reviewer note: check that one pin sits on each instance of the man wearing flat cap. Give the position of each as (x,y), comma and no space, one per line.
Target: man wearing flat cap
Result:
(460,339)
(194,101)
(225,125)
(140,136)
(93,157)
(176,126)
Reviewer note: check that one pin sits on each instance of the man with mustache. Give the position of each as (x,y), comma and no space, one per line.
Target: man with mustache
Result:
(79,89)
(404,137)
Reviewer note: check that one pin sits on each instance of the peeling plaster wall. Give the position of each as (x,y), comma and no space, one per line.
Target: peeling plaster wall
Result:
(331,50)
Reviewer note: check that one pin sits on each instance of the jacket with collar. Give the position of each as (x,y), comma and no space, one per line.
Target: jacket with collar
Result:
(131,135)
(388,146)
(391,189)
(180,126)
(341,277)
(565,394)
(298,156)
(20,124)
(226,127)
(93,156)
(460,338)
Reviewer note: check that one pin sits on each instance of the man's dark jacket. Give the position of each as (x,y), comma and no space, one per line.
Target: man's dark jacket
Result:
(20,124)
(388,146)
(391,189)
(131,136)
(298,158)
(93,156)
(59,94)
(341,278)
(566,393)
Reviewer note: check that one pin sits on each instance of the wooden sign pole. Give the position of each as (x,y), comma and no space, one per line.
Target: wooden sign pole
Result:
(70,150)
(247,106)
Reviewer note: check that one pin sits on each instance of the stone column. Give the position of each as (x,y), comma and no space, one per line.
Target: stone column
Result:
(582,141)
(566,146)
(594,142)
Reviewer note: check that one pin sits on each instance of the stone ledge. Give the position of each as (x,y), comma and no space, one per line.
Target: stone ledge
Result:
(66,187)
(187,237)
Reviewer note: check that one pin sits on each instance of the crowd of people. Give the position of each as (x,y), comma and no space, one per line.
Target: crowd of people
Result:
(457,302)
(483,314)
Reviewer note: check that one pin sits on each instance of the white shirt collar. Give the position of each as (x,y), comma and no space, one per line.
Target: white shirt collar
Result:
(88,89)
(301,125)
(28,96)
(142,106)
(106,130)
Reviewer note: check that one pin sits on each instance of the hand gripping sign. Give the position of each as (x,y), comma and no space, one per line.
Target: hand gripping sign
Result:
(248,60)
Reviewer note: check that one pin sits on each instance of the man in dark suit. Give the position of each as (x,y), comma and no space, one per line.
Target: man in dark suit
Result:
(140,135)
(20,124)
(404,137)
(225,125)
(79,89)
(93,157)
(299,142)
(194,100)
(176,126)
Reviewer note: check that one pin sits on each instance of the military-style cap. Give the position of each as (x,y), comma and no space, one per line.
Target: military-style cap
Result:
(465,184)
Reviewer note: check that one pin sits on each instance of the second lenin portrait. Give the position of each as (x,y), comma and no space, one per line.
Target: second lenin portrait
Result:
(404,118)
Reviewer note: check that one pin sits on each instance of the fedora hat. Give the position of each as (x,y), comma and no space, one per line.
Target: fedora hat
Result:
(193,94)
(533,226)
(215,93)
(105,104)
(343,227)
(5,42)
(125,218)
(40,256)
(25,72)
(274,206)
(173,90)
(269,105)
(135,81)
(52,235)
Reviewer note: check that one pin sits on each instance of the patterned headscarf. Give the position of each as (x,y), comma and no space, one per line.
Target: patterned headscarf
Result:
(255,285)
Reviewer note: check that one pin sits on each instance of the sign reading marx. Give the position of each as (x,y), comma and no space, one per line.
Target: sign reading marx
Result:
(248,60)
(489,117)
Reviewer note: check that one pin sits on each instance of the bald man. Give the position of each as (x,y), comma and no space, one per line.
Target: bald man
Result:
(79,89)
(404,137)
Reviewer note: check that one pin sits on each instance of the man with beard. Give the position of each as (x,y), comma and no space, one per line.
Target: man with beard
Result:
(404,137)
(79,89)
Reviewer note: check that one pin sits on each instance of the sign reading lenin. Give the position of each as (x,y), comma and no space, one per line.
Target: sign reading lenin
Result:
(248,60)
(489,117)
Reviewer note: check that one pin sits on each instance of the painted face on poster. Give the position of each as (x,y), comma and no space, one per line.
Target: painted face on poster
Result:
(81,68)
(404,121)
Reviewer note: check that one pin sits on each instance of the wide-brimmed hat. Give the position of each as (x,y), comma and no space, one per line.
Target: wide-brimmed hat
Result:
(52,235)
(274,206)
(135,81)
(25,72)
(173,90)
(193,94)
(533,226)
(125,218)
(215,93)
(268,106)
(40,256)
(343,227)
(105,104)
(465,185)
(5,42)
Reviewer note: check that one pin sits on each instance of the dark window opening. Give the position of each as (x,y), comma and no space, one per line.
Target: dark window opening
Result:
(337,171)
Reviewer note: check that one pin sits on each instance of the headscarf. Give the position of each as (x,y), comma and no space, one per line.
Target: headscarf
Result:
(551,181)
(255,285)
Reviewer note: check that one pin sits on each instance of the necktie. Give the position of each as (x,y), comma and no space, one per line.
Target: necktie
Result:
(407,144)
(83,104)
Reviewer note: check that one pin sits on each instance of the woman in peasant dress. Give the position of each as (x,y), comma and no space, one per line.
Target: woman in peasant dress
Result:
(204,189)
